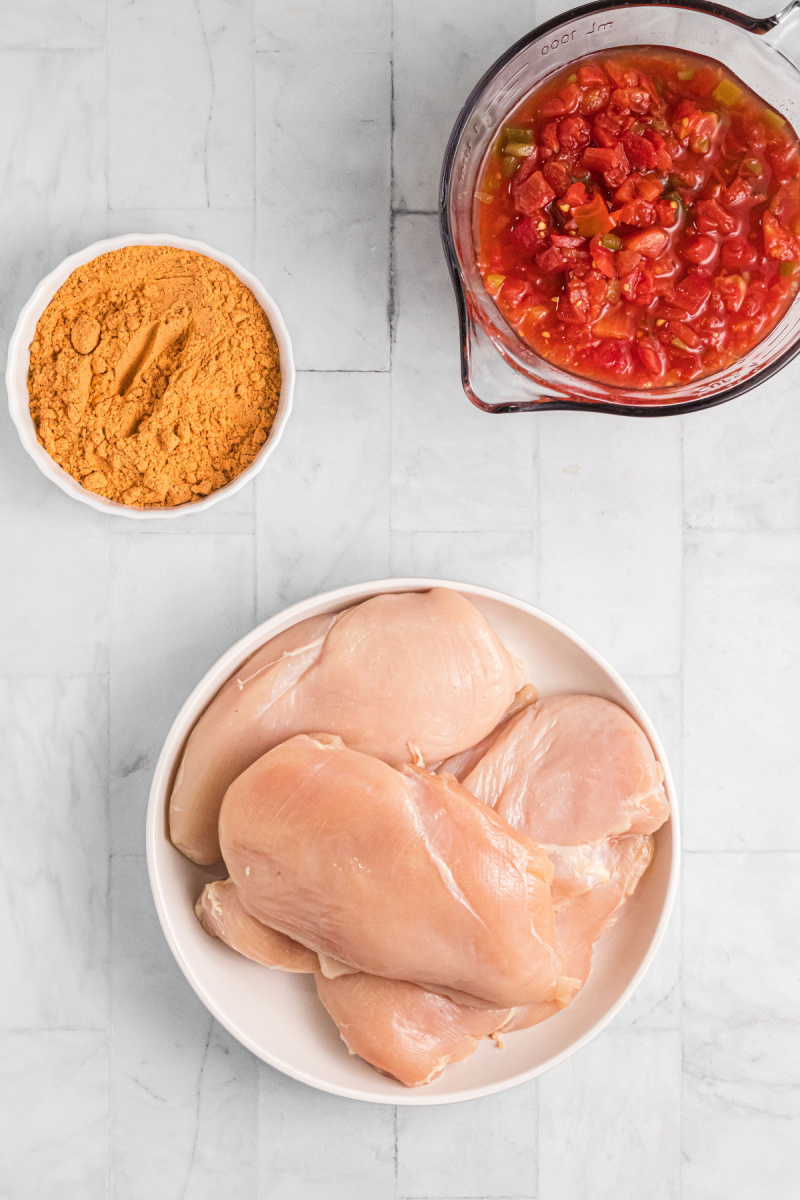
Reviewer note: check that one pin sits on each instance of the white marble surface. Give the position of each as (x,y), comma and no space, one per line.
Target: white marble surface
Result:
(305,138)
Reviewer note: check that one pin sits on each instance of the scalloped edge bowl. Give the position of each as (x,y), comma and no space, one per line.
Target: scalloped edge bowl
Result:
(277,1015)
(18,363)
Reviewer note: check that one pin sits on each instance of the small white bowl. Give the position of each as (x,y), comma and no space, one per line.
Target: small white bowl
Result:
(19,363)
(277,1015)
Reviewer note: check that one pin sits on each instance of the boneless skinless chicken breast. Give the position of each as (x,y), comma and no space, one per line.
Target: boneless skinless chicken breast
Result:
(400,874)
(569,771)
(401,677)
(577,774)
(221,913)
(403,1030)
(584,919)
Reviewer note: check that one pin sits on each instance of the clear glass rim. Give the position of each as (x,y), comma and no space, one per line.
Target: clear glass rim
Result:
(750,24)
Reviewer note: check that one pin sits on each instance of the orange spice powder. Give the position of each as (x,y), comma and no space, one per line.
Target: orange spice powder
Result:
(154,376)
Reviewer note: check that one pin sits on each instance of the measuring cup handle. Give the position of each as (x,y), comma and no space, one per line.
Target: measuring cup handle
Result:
(782,30)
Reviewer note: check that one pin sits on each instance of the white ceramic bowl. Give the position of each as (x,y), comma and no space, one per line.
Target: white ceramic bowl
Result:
(19,362)
(277,1015)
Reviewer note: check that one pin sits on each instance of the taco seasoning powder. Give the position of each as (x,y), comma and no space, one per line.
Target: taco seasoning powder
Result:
(154,376)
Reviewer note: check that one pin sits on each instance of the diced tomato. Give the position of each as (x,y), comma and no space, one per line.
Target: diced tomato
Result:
(603,259)
(531,194)
(738,254)
(651,287)
(632,99)
(593,217)
(756,134)
(573,133)
(612,163)
(739,191)
(617,323)
(637,212)
(514,292)
(650,242)
(653,356)
(785,162)
(605,131)
(699,249)
(564,242)
(649,189)
(627,261)
(666,213)
(642,289)
(575,195)
(590,74)
(641,153)
(732,289)
(785,204)
(597,288)
(566,101)
(704,81)
(692,125)
(558,177)
(595,98)
(662,147)
(616,357)
(711,215)
(550,137)
(627,190)
(687,335)
(527,237)
(779,243)
(692,293)
(753,302)
(621,76)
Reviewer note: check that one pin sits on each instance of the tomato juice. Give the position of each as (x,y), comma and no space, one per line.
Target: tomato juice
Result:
(637,218)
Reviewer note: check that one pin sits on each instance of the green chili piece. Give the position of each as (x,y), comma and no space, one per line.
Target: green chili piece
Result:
(508,165)
(611,242)
(773,119)
(685,76)
(753,166)
(726,93)
(788,268)
(520,149)
(515,133)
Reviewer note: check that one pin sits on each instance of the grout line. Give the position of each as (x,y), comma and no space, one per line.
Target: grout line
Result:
(392,327)
(188,208)
(787,850)
(415,212)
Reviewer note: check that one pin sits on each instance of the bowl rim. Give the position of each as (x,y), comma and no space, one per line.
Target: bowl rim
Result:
(19,358)
(200,697)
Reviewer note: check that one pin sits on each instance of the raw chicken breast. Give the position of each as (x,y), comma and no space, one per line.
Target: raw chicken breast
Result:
(403,1030)
(219,910)
(398,676)
(571,770)
(396,873)
(576,869)
(587,917)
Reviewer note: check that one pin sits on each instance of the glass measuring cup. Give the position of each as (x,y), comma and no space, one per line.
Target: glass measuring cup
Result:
(499,371)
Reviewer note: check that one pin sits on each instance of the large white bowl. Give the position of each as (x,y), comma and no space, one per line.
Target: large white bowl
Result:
(278,1016)
(19,362)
